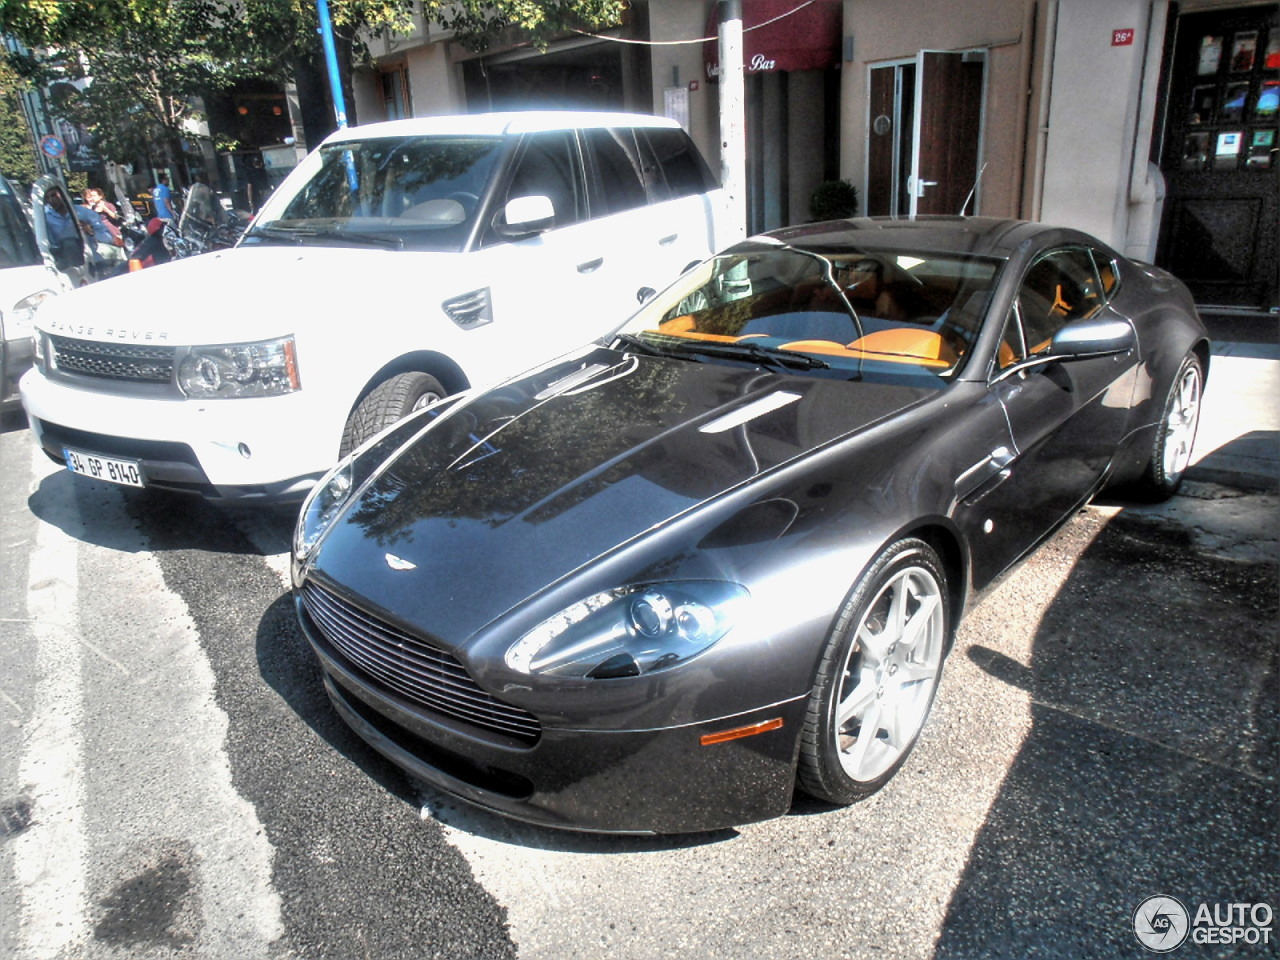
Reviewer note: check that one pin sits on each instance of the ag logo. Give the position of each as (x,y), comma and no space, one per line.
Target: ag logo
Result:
(1161,924)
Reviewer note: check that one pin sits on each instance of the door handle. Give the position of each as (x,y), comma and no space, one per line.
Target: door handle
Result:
(985,475)
(591,265)
(669,240)
(921,184)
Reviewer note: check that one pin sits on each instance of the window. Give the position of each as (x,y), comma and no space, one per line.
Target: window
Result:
(394,86)
(617,171)
(682,166)
(1060,287)
(548,165)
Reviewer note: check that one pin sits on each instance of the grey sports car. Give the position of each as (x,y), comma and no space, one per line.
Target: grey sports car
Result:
(661,583)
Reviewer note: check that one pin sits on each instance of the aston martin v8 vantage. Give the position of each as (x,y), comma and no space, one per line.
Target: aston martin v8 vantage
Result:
(663,582)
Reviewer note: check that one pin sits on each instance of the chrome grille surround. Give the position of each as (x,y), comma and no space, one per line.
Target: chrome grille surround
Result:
(133,362)
(411,667)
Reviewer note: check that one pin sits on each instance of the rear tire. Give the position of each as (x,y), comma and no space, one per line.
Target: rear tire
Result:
(877,677)
(1175,434)
(386,403)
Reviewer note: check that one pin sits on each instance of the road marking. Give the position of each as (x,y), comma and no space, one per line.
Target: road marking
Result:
(49,856)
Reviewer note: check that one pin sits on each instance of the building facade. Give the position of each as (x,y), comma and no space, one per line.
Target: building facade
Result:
(1149,123)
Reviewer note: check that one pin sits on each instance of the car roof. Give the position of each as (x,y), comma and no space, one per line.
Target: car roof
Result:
(976,236)
(498,124)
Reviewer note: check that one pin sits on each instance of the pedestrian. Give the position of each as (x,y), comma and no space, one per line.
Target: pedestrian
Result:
(99,204)
(162,198)
(108,244)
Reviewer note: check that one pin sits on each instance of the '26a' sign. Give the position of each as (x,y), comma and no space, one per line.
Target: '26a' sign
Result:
(1122,38)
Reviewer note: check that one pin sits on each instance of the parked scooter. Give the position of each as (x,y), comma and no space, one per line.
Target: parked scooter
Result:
(203,226)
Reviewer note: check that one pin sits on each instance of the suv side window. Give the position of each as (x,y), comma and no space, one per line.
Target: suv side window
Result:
(548,165)
(1060,287)
(682,166)
(617,171)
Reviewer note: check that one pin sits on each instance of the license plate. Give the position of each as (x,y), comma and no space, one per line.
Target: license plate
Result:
(103,468)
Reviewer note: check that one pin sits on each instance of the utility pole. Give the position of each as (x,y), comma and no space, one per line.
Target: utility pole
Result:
(733,122)
(331,61)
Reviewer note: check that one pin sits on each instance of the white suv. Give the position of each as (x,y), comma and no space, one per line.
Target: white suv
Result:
(400,262)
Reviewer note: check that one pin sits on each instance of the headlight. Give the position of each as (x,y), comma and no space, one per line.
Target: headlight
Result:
(322,506)
(18,321)
(265,369)
(630,631)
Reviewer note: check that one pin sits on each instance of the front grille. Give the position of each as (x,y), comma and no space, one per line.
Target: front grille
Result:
(410,667)
(131,362)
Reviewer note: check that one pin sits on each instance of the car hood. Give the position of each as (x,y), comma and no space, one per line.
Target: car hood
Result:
(507,493)
(239,296)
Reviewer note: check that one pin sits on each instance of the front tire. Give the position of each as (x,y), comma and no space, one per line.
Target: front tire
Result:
(389,401)
(1175,434)
(877,677)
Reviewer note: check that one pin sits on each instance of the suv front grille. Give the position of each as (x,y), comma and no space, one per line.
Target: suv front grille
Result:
(410,667)
(130,362)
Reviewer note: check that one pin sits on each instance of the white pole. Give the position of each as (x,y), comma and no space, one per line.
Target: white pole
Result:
(733,123)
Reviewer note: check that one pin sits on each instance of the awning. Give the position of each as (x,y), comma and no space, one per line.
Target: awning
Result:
(806,39)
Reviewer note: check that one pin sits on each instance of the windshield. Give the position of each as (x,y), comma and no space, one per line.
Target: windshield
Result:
(420,193)
(827,313)
(17,243)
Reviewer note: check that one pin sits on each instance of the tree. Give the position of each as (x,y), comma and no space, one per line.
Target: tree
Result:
(17,156)
(132,71)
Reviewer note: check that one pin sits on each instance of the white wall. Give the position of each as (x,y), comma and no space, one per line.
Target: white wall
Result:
(1099,133)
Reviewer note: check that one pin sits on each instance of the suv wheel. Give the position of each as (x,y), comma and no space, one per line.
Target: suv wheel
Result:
(386,403)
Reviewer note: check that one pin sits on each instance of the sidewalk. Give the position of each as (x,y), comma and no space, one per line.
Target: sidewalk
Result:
(1238,442)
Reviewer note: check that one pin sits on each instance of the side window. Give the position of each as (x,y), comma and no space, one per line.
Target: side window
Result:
(683,168)
(548,166)
(1108,275)
(1060,287)
(617,183)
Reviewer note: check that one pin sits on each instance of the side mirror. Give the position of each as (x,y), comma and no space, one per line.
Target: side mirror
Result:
(1078,341)
(1092,338)
(525,216)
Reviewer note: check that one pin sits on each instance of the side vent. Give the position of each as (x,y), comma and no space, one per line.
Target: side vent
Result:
(470,310)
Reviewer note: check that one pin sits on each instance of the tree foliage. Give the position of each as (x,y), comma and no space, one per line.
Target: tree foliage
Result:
(17,152)
(130,71)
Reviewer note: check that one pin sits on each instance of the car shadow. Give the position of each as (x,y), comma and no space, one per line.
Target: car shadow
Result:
(288,665)
(11,421)
(1151,762)
(87,510)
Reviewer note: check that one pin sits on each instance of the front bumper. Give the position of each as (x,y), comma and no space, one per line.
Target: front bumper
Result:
(255,448)
(611,781)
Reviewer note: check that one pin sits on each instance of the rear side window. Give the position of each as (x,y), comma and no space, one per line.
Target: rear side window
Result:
(682,166)
(618,172)
(17,244)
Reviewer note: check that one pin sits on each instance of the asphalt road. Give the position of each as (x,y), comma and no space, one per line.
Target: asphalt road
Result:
(174,783)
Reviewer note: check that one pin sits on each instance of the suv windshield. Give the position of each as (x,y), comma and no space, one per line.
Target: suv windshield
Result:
(855,310)
(17,243)
(420,193)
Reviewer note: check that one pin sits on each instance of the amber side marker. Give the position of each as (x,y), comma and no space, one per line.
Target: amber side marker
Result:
(737,733)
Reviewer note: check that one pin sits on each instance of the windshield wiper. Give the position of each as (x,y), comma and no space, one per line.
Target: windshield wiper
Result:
(301,235)
(747,350)
(276,233)
(641,344)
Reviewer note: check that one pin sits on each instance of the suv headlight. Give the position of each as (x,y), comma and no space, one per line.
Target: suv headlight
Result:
(630,631)
(268,368)
(18,322)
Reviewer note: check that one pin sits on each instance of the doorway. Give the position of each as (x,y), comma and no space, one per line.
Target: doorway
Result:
(924,144)
(1219,158)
